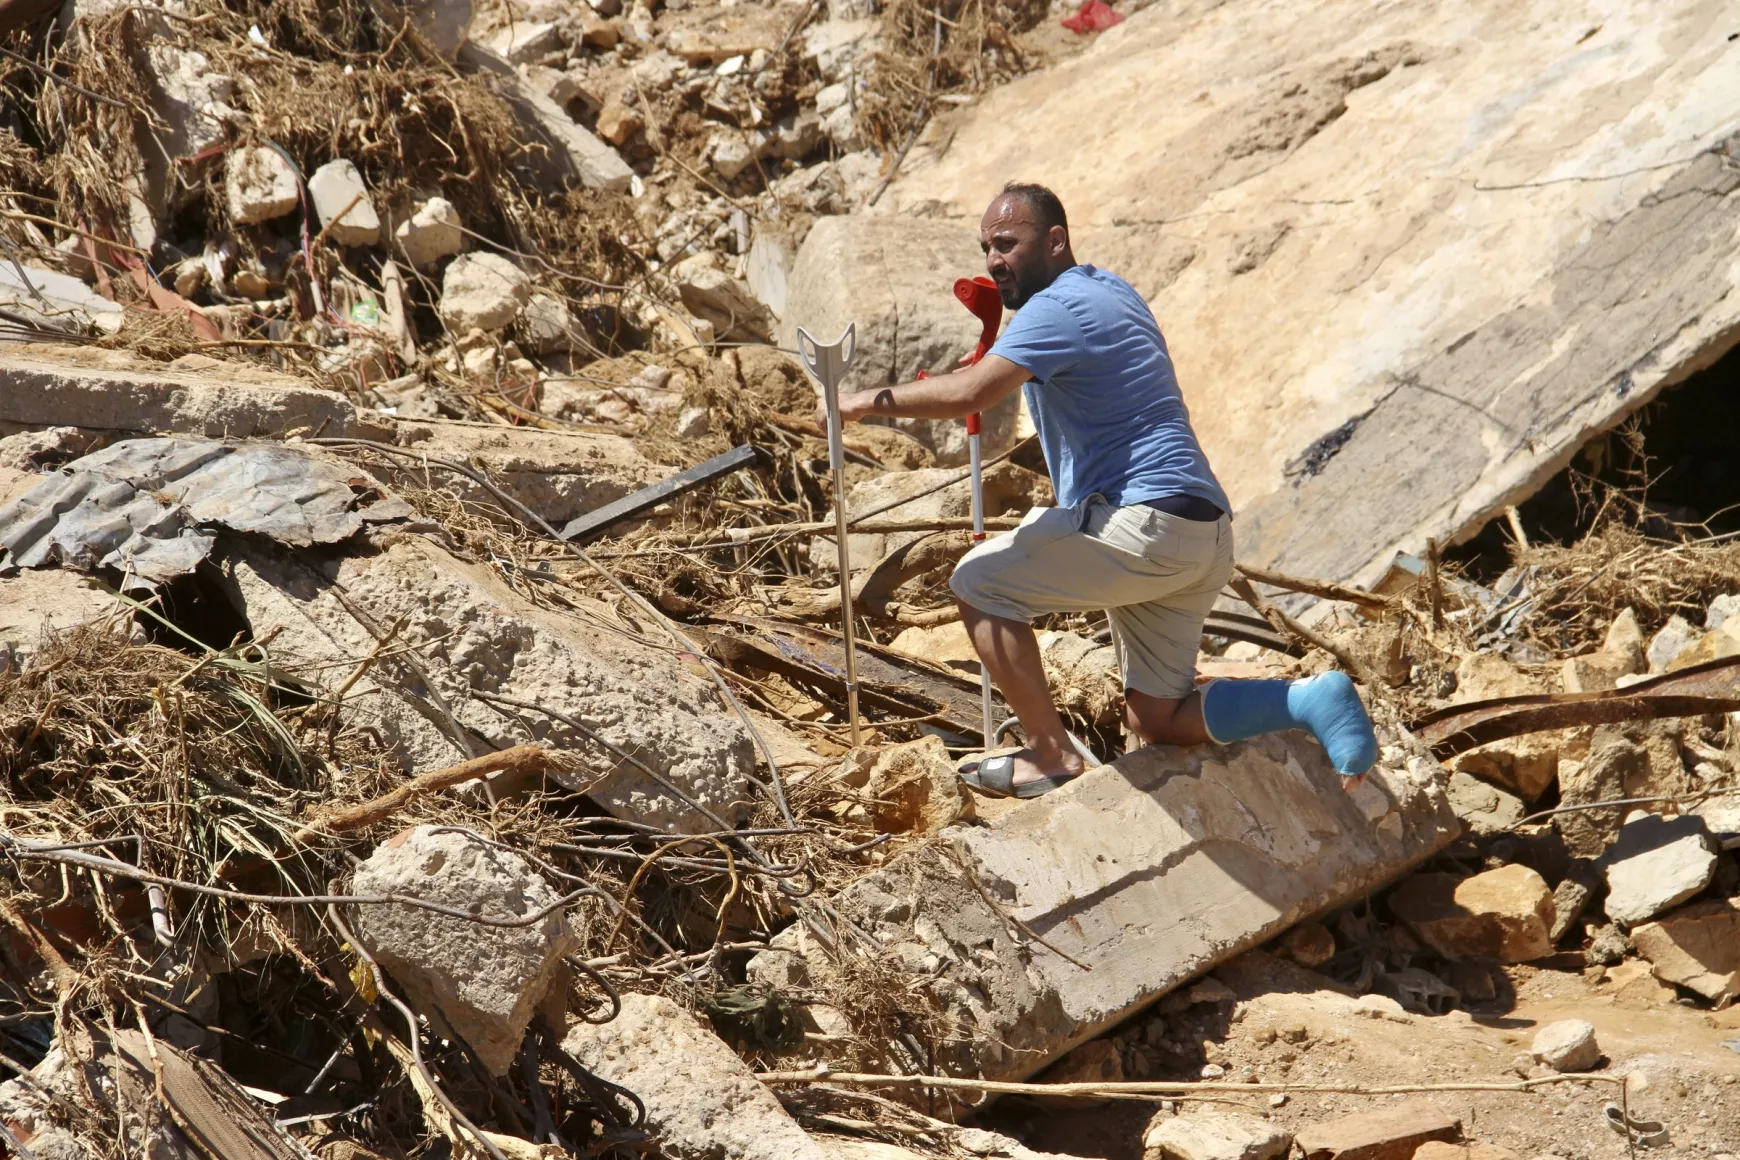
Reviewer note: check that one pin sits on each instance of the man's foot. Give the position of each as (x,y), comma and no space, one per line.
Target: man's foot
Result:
(1023,773)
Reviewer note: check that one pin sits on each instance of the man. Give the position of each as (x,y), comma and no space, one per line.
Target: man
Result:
(1141,528)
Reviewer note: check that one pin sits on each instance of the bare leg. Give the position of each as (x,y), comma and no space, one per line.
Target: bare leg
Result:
(1010,652)
(1165,720)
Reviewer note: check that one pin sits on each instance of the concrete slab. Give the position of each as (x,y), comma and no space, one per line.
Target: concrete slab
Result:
(109,391)
(1408,259)
(1144,873)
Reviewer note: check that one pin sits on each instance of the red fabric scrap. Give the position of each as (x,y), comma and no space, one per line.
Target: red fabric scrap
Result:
(1095,16)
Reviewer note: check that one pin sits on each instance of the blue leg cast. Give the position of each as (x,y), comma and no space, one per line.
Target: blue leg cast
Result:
(1328,705)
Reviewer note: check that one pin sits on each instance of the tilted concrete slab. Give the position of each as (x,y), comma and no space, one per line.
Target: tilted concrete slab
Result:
(1144,873)
(110,391)
(1408,258)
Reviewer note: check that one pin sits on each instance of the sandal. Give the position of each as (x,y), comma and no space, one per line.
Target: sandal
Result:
(996,775)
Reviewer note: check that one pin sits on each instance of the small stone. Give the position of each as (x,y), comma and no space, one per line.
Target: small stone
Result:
(1721,608)
(1503,914)
(1212,1071)
(1213,1135)
(259,185)
(711,294)
(484,291)
(1381,1007)
(335,186)
(1309,944)
(1666,645)
(730,154)
(431,233)
(693,422)
(1210,991)
(1568,1045)
(545,325)
(618,120)
(1656,864)
(1569,898)
(1278,1100)
(1483,808)
(600,34)
(1625,640)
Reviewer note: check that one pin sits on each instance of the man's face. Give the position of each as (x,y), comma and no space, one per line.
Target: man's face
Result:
(1017,252)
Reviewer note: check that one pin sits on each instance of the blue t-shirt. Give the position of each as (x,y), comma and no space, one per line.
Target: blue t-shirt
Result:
(1103,396)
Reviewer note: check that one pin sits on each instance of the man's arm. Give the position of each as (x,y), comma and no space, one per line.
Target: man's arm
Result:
(950,396)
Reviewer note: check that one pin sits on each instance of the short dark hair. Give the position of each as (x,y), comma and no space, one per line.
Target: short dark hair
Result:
(1047,210)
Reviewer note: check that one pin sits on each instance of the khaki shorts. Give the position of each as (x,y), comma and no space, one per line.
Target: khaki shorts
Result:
(1156,575)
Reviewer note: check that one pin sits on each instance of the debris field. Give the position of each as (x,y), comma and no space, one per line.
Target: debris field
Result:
(423,717)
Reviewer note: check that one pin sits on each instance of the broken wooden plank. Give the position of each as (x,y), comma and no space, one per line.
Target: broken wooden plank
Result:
(1707,688)
(647,498)
(888,682)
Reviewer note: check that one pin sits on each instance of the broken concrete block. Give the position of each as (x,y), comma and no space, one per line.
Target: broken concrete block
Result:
(1600,777)
(486,982)
(334,187)
(882,274)
(1213,1135)
(1391,1133)
(482,292)
(710,293)
(431,233)
(443,24)
(571,152)
(55,300)
(1483,808)
(590,689)
(107,391)
(259,185)
(1568,1045)
(1504,914)
(911,788)
(525,41)
(701,1099)
(1149,870)
(1656,864)
(1696,947)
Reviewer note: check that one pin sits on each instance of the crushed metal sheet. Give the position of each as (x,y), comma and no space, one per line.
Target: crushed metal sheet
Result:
(151,508)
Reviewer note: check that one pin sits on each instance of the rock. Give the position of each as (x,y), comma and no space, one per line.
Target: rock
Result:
(730,153)
(1391,1133)
(1381,1007)
(259,185)
(443,24)
(1635,984)
(1524,766)
(569,152)
(1484,809)
(707,36)
(106,391)
(55,300)
(1437,1150)
(701,1099)
(1625,641)
(693,423)
(1322,484)
(1709,646)
(837,45)
(1213,1135)
(1502,914)
(525,41)
(1621,654)
(486,982)
(476,638)
(1108,871)
(1669,642)
(1656,864)
(944,644)
(1569,899)
(893,277)
(1309,944)
(482,292)
(1472,981)
(915,790)
(1721,608)
(1601,777)
(1419,991)
(335,186)
(545,326)
(41,449)
(1696,947)
(726,302)
(618,121)
(1608,945)
(431,233)
(1568,1045)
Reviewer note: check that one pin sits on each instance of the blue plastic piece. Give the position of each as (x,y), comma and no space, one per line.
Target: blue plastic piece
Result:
(1328,705)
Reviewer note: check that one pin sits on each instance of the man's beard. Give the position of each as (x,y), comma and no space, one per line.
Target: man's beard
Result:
(1014,292)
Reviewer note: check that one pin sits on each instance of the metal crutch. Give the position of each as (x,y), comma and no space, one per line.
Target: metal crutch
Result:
(828,364)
